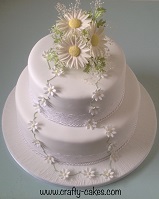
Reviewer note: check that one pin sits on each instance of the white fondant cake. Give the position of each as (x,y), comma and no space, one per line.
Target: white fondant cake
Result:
(77,102)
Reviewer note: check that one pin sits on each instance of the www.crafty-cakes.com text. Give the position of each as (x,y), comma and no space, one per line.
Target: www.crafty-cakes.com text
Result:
(78,192)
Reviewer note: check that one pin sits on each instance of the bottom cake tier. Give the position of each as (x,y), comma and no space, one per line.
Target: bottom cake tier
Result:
(78,145)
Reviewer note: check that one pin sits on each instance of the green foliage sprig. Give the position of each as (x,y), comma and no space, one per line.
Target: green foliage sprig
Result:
(56,34)
(97,15)
(98,64)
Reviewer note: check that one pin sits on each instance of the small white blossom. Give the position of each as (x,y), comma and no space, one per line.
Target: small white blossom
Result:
(42,101)
(111,147)
(64,173)
(110,131)
(49,159)
(88,173)
(108,174)
(50,90)
(48,55)
(102,75)
(91,124)
(37,107)
(33,126)
(98,94)
(57,72)
(93,110)
(37,143)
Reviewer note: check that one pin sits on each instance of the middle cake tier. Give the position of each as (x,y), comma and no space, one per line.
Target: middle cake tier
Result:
(70,106)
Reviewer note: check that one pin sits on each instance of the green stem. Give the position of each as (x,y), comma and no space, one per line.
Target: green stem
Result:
(44,150)
(55,168)
(34,135)
(49,65)
(75,173)
(50,79)
(35,115)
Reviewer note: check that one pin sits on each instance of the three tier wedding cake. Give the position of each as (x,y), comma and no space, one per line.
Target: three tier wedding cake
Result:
(77,102)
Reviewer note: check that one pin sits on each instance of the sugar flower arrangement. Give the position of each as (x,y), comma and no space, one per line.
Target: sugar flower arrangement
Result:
(79,39)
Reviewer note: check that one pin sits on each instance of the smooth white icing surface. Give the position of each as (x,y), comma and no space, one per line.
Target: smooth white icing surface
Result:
(74,92)
(82,145)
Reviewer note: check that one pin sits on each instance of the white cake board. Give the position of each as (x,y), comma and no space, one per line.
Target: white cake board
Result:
(131,155)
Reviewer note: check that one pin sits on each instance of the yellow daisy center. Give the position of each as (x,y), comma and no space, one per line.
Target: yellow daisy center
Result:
(95,40)
(75,23)
(74,51)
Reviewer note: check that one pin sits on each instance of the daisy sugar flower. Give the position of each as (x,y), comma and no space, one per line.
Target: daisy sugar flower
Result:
(73,20)
(64,174)
(73,52)
(97,40)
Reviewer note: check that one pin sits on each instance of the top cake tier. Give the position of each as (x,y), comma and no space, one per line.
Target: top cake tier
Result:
(70,105)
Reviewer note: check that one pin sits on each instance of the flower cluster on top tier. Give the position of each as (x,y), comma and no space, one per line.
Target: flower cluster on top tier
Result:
(79,39)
